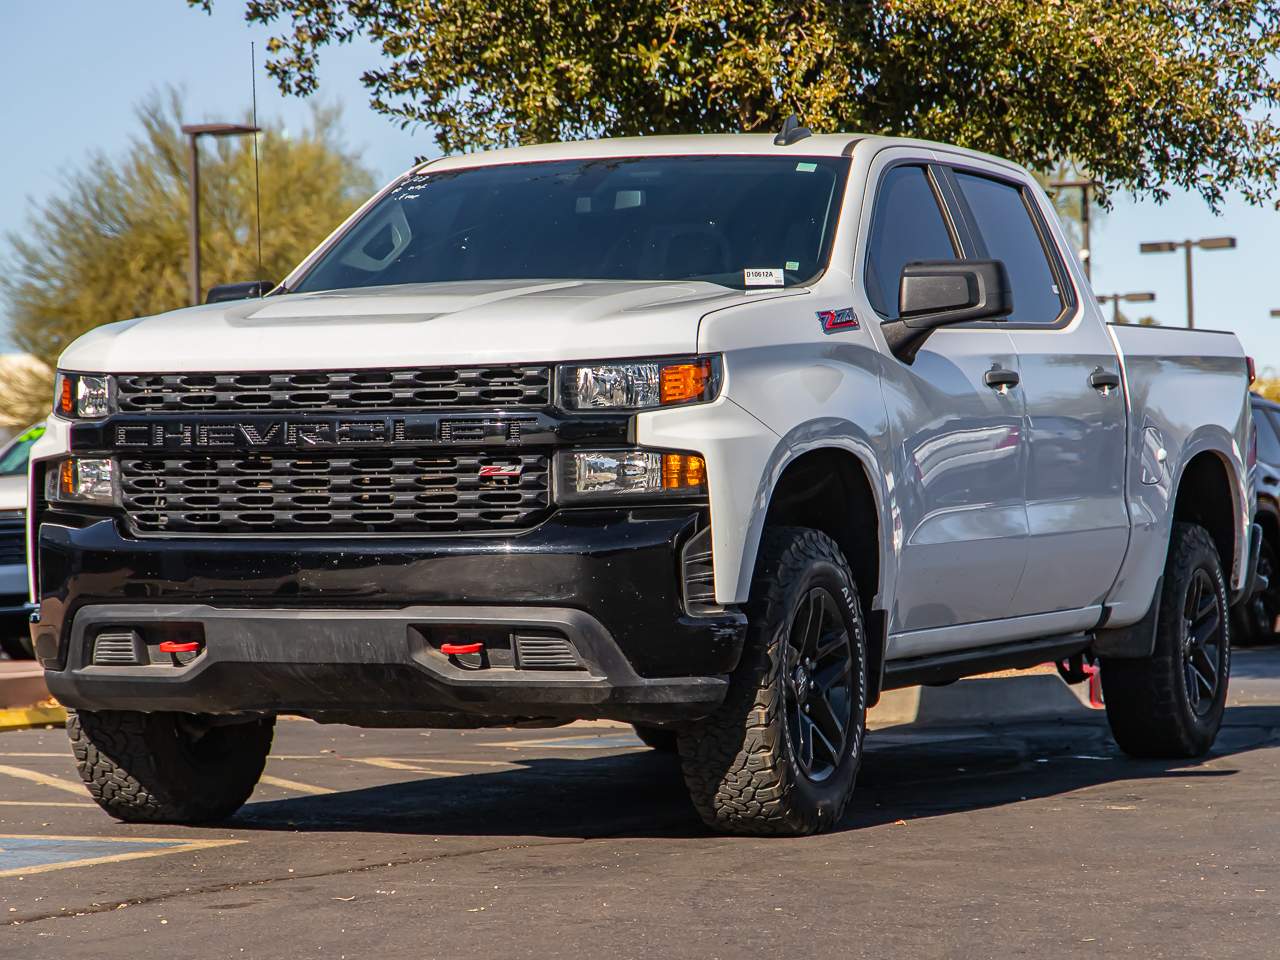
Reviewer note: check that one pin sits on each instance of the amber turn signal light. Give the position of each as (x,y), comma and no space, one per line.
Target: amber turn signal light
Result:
(681,382)
(683,471)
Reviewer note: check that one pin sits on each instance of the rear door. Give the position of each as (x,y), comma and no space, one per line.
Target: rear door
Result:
(1076,512)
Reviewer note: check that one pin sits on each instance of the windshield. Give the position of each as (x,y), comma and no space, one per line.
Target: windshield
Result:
(14,457)
(739,221)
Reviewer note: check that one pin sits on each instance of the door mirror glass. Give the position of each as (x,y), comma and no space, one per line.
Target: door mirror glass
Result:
(939,293)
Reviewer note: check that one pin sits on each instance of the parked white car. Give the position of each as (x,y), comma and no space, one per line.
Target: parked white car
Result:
(720,436)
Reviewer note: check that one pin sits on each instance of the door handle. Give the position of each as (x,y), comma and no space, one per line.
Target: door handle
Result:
(998,378)
(1104,380)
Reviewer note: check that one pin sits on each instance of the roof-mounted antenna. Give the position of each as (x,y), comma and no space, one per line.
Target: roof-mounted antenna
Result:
(791,132)
(257,182)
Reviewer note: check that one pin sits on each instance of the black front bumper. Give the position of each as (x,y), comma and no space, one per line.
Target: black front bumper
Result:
(349,629)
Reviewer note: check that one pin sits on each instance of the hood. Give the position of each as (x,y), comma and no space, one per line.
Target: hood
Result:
(13,492)
(415,325)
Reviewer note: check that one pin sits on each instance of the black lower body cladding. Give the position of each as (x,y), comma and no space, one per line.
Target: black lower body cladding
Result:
(582,616)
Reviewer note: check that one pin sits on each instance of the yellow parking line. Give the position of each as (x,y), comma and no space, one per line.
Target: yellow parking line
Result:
(43,778)
(293,785)
(182,847)
(44,803)
(389,764)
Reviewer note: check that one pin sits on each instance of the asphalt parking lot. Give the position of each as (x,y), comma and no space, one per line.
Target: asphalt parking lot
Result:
(1024,840)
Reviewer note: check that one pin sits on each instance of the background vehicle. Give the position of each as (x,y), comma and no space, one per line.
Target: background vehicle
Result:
(15,638)
(719,436)
(1255,620)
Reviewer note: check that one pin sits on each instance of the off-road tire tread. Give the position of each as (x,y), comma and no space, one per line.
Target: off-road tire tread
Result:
(1144,696)
(117,763)
(735,761)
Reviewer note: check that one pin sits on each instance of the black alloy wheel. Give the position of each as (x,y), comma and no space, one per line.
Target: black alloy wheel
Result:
(818,685)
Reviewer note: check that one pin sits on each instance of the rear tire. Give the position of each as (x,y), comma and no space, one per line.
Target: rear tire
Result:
(781,754)
(660,739)
(1171,703)
(167,767)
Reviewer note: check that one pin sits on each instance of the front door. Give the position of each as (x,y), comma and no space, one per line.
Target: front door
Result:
(959,469)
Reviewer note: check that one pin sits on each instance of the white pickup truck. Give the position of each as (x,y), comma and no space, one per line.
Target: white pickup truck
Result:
(720,436)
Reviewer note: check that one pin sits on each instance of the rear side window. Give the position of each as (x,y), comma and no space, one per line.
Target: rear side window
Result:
(1010,234)
(906,225)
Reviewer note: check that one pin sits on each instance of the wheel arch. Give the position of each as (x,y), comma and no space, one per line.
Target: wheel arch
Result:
(830,488)
(1206,494)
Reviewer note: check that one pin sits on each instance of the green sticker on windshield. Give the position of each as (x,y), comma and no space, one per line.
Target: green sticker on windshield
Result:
(803,167)
(793,264)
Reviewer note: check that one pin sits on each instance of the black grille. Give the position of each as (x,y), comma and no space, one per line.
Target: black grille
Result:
(13,542)
(420,388)
(322,494)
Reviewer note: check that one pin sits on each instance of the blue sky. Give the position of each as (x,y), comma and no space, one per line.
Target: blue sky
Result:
(63,100)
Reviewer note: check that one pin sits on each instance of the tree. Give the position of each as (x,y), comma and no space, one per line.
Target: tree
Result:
(1143,93)
(113,244)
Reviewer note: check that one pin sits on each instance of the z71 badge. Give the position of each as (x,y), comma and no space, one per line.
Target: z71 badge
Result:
(834,321)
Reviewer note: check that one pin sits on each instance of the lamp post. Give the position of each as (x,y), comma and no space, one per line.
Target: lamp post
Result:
(195,131)
(1115,298)
(1204,243)
(1086,188)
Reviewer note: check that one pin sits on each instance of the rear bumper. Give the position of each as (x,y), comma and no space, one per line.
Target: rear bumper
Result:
(350,629)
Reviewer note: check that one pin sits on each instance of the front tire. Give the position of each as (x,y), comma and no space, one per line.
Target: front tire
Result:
(167,767)
(781,755)
(1171,704)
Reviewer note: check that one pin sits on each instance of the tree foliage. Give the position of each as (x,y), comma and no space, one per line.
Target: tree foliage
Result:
(1144,93)
(113,243)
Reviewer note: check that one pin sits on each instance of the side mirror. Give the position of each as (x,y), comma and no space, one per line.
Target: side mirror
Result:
(940,293)
(238,291)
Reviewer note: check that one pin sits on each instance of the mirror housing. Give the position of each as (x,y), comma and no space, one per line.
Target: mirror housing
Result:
(941,293)
(238,291)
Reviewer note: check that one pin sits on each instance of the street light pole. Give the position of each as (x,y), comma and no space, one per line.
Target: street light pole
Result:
(1115,298)
(1204,243)
(1086,188)
(194,132)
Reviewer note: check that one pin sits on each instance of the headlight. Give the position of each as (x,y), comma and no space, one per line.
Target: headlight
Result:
(613,474)
(82,480)
(79,395)
(639,384)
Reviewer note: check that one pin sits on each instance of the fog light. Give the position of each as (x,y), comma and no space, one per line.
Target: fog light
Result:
(82,480)
(614,474)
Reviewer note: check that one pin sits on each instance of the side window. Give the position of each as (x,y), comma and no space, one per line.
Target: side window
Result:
(906,225)
(1005,223)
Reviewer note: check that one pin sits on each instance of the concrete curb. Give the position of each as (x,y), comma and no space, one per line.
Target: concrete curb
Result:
(23,718)
(21,683)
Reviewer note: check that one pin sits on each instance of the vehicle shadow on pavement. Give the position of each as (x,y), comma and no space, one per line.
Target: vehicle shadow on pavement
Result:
(905,775)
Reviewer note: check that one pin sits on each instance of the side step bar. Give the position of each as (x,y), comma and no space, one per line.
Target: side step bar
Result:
(945,667)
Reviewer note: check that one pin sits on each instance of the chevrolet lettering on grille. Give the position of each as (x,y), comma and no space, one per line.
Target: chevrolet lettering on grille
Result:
(323,433)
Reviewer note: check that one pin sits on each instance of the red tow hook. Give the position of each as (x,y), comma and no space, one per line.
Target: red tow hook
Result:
(457,649)
(172,646)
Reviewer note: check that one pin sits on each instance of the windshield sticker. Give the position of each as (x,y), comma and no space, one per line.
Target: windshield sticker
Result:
(763,277)
(806,167)
(793,265)
(834,321)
